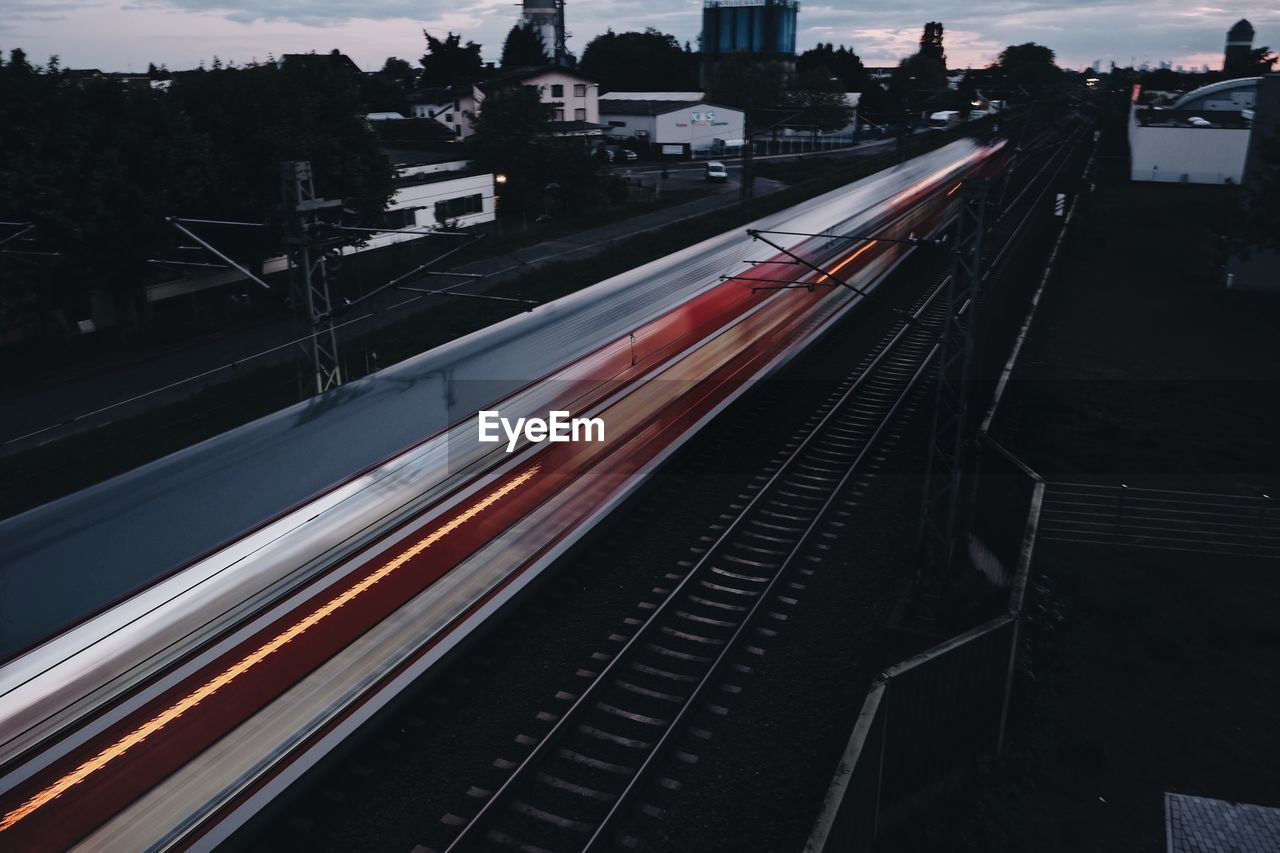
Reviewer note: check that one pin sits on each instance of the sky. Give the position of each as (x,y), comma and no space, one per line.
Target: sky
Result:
(124,35)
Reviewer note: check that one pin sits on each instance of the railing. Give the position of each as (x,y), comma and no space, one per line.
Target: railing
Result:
(1157,518)
(933,716)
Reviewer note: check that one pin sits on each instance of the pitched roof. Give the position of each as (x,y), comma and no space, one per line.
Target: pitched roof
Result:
(513,76)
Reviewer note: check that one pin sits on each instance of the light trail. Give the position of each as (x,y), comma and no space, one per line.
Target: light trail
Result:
(849,259)
(227,676)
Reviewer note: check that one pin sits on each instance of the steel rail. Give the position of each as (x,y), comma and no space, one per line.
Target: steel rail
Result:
(468,833)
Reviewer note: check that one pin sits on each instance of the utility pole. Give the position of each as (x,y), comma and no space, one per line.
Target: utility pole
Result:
(308,274)
(950,440)
(747,188)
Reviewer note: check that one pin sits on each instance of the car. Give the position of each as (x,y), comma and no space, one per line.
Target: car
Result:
(614,153)
(716,171)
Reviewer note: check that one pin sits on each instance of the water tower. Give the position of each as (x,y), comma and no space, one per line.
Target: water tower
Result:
(547,19)
(763,30)
(1235,57)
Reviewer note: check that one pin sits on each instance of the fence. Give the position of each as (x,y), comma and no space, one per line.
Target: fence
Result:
(933,716)
(1159,518)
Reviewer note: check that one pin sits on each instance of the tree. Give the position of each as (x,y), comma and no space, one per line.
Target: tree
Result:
(255,118)
(931,42)
(397,69)
(740,82)
(524,47)
(449,61)
(1260,61)
(632,61)
(95,166)
(510,136)
(1026,70)
(512,139)
(919,82)
(819,103)
(840,62)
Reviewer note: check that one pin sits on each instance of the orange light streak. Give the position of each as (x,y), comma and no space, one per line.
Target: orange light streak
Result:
(191,700)
(849,259)
(952,191)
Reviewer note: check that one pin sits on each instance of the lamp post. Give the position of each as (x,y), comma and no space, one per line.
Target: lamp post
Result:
(499,180)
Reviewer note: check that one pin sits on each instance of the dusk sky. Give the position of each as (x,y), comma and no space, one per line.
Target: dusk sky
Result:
(122,35)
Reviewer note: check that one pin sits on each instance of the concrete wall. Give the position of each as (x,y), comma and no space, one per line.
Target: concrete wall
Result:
(1196,155)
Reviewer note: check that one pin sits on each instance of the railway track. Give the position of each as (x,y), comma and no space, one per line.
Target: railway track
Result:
(650,699)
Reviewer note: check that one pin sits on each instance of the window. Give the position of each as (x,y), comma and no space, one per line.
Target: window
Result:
(457,130)
(457,105)
(448,118)
(452,208)
(557,90)
(401,218)
(558,115)
(579,90)
(580,114)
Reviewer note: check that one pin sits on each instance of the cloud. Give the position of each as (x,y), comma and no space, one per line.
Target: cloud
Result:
(113,33)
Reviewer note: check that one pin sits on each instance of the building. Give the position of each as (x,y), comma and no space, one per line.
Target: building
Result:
(763,30)
(1235,56)
(546,18)
(1222,97)
(1259,268)
(574,100)
(445,106)
(673,127)
(431,193)
(1201,138)
(431,189)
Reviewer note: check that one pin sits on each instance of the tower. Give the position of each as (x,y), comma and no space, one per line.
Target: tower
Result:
(1235,57)
(761,30)
(547,19)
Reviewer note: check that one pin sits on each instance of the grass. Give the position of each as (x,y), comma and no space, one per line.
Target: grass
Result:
(1143,672)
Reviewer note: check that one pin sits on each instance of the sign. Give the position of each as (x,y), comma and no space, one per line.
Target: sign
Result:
(673,149)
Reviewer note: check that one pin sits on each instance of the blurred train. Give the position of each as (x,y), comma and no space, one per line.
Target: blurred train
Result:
(690,315)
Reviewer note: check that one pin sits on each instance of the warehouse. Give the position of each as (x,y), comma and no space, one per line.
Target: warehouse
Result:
(671,127)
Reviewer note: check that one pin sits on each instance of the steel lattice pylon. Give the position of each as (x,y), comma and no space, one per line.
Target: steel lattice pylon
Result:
(307,271)
(940,525)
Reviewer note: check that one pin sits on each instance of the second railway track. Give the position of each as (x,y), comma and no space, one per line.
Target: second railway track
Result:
(603,754)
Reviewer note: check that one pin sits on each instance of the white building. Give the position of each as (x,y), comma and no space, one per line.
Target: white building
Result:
(427,195)
(1201,138)
(573,98)
(673,127)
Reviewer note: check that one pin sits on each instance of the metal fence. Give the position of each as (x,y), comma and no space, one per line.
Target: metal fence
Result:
(1238,525)
(932,717)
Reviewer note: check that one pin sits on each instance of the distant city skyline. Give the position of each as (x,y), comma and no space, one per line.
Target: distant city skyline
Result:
(125,35)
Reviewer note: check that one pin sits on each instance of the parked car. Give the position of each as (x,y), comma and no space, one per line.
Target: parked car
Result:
(716,171)
(614,153)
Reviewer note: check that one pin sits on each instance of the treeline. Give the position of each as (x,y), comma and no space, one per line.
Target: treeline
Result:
(96,164)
